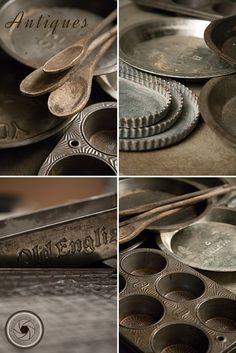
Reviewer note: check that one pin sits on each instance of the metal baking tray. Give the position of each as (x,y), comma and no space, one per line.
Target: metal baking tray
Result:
(81,300)
(137,191)
(108,83)
(208,244)
(206,9)
(89,146)
(172,47)
(23,120)
(34,46)
(165,306)
(221,117)
(220,36)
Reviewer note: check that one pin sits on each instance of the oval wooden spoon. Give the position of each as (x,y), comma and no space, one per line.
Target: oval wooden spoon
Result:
(39,82)
(73,95)
(73,54)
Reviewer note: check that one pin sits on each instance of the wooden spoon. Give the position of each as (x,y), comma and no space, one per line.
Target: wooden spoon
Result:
(73,95)
(73,54)
(38,82)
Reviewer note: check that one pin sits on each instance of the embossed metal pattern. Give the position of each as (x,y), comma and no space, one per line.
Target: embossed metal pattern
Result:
(34,46)
(23,120)
(198,314)
(184,125)
(74,305)
(206,9)
(208,244)
(169,116)
(71,235)
(74,150)
(172,47)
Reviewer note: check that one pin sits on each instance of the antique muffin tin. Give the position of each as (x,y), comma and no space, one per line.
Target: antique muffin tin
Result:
(184,110)
(206,9)
(89,146)
(166,306)
(207,244)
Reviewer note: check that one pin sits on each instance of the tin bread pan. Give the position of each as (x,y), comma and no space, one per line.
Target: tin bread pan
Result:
(165,306)
(208,244)
(23,120)
(221,117)
(220,36)
(206,9)
(76,234)
(172,47)
(139,191)
(35,45)
(89,146)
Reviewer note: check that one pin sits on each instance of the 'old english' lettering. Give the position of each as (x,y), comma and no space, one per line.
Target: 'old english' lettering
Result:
(46,22)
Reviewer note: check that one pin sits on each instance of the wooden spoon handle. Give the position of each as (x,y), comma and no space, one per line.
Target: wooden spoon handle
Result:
(103,24)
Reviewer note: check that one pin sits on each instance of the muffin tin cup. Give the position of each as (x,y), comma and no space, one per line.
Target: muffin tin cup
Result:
(207,244)
(89,145)
(205,9)
(204,322)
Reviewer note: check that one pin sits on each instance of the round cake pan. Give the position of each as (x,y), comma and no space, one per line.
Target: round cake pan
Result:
(220,36)
(23,120)
(88,146)
(208,244)
(109,83)
(139,191)
(48,26)
(221,117)
(172,47)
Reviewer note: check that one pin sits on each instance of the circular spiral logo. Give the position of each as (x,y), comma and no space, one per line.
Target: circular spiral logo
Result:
(24,329)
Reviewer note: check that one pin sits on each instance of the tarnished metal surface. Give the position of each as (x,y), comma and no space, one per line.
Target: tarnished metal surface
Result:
(34,50)
(23,120)
(87,149)
(206,9)
(208,244)
(77,307)
(167,306)
(74,235)
(220,36)
(221,117)
(172,47)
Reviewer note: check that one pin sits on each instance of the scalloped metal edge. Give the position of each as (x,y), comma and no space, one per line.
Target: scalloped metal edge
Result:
(63,149)
(150,119)
(164,139)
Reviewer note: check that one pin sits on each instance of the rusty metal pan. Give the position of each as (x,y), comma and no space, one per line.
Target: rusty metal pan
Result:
(205,9)
(221,117)
(34,45)
(172,47)
(108,83)
(166,306)
(138,191)
(23,121)
(208,244)
(220,36)
(89,146)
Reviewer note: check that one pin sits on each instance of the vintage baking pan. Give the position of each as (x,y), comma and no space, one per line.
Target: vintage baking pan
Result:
(206,9)
(45,27)
(165,306)
(77,234)
(172,47)
(89,146)
(108,83)
(23,121)
(221,117)
(220,36)
(84,300)
(184,125)
(138,191)
(208,244)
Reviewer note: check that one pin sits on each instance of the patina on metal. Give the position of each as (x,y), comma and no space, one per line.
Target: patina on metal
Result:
(167,306)
(76,234)
(172,47)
